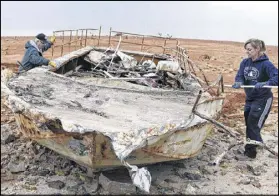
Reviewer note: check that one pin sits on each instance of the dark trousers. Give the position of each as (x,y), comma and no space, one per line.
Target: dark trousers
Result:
(255,113)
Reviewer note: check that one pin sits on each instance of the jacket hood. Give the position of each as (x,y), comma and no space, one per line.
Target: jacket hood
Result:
(31,43)
(264,57)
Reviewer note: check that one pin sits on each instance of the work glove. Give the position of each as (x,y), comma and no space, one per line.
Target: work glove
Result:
(260,84)
(237,85)
(52,63)
(52,39)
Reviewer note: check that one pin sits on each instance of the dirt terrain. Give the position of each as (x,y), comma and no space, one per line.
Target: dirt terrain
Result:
(28,168)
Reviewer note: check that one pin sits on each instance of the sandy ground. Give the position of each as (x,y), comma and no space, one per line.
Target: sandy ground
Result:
(28,168)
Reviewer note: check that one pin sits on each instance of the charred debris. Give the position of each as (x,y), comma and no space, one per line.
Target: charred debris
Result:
(152,70)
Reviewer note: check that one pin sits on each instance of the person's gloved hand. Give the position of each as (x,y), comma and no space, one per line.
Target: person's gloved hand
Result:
(52,39)
(52,63)
(260,84)
(237,85)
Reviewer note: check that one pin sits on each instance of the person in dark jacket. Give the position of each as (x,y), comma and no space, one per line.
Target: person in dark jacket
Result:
(256,70)
(33,54)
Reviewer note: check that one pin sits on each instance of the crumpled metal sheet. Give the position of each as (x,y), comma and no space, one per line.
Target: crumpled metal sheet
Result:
(96,57)
(141,177)
(123,142)
(127,61)
(171,66)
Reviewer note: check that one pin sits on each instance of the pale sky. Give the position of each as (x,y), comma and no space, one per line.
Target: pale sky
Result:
(231,21)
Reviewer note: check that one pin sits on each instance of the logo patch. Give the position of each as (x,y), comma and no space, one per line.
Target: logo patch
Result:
(251,73)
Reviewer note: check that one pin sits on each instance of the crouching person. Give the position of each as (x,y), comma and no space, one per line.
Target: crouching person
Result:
(34,49)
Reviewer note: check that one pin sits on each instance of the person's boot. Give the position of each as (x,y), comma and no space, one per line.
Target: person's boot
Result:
(251,152)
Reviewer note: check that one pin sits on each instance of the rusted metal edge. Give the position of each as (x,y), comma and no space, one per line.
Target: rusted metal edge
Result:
(176,156)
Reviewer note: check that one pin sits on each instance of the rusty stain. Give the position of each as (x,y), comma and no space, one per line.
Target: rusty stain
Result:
(93,148)
(77,136)
(149,130)
(157,150)
(178,156)
(180,142)
(103,149)
(29,129)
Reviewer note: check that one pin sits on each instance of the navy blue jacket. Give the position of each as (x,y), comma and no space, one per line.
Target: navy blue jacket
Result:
(260,70)
(33,56)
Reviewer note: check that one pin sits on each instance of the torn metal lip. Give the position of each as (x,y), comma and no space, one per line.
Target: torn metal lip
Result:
(95,150)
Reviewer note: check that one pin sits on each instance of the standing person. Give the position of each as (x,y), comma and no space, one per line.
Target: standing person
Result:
(33,54)
(259,71)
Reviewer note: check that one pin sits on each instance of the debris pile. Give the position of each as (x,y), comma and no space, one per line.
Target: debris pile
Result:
(117,65)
